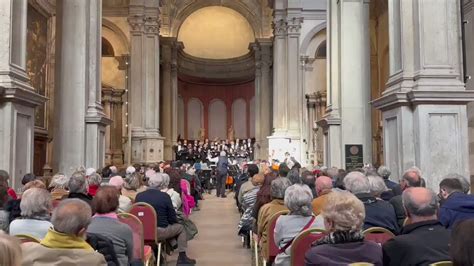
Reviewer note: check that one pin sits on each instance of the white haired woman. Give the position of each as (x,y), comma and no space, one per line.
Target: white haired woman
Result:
(344,243)
(175,197)
(298,200)
(35,208)
(58,186)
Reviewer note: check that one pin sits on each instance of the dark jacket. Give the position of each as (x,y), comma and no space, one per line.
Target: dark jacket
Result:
(420,243)
(378,213)
(457,207)
(222,165)
(397,204)
(394,189)
(81,196)
(344,254)
(104,246)
(162,204)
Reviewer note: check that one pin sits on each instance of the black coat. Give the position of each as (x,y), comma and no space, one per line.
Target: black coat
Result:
(399,210)
(420,243)
(104,246)
(378,213)
(344,254)
(162,204)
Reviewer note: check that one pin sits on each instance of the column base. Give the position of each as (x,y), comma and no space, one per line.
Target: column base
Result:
(261,149)
(147,146)
(279,145)
(95,140)
(168,153)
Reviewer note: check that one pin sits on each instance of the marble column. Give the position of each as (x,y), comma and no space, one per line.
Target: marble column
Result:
(79,138)
(348,118)
(147,142)
(17,98)
(424,105)
(169,89)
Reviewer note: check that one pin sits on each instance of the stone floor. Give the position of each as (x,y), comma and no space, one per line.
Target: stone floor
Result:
(217,243)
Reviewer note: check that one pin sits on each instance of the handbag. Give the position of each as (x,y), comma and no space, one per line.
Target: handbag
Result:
(288,244)
(189,227)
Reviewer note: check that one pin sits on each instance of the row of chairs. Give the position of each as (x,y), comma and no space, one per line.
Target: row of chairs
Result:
(142,219)
(302,242)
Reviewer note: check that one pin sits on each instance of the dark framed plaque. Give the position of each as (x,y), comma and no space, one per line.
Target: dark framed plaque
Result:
(354,156)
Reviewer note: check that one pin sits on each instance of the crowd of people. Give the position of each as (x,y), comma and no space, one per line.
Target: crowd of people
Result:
(428,227)
(74,219)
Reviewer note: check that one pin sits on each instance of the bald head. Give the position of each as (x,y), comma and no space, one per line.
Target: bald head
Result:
(411,178)
(323,185)
(420,203)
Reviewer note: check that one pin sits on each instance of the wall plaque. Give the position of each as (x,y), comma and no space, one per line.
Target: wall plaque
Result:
(354,156)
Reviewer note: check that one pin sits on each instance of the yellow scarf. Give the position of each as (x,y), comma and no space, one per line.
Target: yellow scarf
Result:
(54,239)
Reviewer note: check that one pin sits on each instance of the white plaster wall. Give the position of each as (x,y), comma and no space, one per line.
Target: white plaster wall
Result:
(217,120)
(239,118)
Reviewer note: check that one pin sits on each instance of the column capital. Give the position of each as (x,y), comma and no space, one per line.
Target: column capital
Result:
(136,22)
(280,27)
(294,25)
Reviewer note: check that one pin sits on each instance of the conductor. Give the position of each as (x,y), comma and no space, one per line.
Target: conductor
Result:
(222,168)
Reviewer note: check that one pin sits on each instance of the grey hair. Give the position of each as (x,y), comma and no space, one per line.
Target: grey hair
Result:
(94,179)
(59,180)
(357,183)
(384,172)
(35,202)
(155,180)
(377,185)
(278,188)
(421,210)
(71,216)
(294,177)
(298,200)
(464,182)
(77,183)
(132,181)
(4,176)
(222,153)
(166,181)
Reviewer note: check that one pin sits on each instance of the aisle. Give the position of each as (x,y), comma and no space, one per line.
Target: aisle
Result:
(217,243)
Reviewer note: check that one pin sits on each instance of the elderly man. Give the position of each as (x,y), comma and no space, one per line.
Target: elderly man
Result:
(168,226)
(323,188)
(277,192)
(78,188)
(411,178)
(394,188)
(310,180)
(455,205)
(64,244)
(379,213)
(423,239)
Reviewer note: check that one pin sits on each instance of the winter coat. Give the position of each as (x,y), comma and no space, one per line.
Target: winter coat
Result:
(457,207)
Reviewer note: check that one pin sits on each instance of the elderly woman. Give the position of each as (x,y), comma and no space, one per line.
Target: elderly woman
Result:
(248,202)
(125,203)
(277,193)
(175,197)
(58,186)
(35,208)
(298,199)
(131,185)
(94,181)
(344,243)
(377,186)
(106,223)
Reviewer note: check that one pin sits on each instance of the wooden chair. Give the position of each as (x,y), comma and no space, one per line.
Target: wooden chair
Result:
(27,238)
(140,250)
(302,243)
(378,235)
(272,248)
(442,263)
(147,215)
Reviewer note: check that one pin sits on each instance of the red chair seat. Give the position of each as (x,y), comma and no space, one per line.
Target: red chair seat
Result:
(378,235)
(302,244)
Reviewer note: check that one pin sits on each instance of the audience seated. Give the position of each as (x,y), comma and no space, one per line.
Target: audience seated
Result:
(248,201)
(277,193)
(94,180)
(64,244)
(323,188)
(252,170)
(168,226)
(175,197)
(462,243)
(35,208)
(423,240)
(455,205)
(411,178)
(10,250)
(131,185)
(4,220)
(294,177)
(78,188)
(106,223)
(263,195)
(309,179)
(58,186)
(394,189)
(378,213)
(298,200)
(344,243)
(125,203)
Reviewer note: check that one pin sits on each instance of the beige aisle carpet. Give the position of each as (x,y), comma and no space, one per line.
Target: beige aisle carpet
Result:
(217,243)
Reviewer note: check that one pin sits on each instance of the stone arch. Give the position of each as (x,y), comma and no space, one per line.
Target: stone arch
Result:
(116,37)
(309,38)
(238,6)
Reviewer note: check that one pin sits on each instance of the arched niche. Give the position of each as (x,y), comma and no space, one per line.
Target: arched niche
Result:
(239,118)
(113,39)
(217,119)
(252,117)
(195,118)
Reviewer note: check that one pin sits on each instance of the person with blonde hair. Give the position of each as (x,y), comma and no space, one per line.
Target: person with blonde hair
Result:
(344,243)
(10,250)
